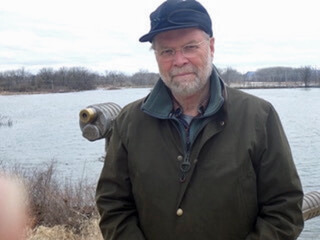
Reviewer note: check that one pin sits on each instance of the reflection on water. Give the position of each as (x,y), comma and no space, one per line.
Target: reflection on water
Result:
(46,127)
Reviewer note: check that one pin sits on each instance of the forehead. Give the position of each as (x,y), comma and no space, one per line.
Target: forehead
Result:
(178,37)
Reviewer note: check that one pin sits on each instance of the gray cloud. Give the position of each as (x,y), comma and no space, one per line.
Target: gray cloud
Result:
(103,35)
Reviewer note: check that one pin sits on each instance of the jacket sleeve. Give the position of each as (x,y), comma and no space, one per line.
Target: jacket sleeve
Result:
(279,189)
(115,202)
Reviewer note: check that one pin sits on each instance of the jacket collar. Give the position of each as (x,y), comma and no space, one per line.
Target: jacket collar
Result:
(159,102)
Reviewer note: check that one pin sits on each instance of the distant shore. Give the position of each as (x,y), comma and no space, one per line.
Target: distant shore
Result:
(262,85)
(238,85)
(9,93)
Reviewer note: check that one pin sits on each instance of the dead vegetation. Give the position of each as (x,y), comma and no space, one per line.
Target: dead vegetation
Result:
(59,209)
(5,121)
(89,231)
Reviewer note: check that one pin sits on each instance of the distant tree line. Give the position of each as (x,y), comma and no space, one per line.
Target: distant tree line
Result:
(70,79)
(305,76)
(79,78)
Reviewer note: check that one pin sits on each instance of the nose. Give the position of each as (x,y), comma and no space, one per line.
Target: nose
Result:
(179,59)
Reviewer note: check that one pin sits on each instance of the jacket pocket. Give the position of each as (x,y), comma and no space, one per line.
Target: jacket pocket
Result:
(247,192)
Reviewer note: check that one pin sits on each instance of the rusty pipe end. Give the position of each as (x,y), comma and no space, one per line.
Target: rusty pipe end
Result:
(87,115)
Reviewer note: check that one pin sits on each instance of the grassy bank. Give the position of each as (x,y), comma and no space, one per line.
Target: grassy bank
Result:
(59,209)
(89,231)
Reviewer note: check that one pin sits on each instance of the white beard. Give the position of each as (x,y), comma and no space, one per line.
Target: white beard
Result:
(190,84)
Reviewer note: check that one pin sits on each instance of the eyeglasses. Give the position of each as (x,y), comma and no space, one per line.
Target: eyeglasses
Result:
(188,51)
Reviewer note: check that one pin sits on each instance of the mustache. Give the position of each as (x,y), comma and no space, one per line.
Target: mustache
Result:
(185,69)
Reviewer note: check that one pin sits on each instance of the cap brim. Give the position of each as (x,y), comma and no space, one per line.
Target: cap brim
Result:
(149,36)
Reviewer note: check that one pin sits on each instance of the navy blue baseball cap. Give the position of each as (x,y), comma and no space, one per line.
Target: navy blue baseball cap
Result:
(177,14)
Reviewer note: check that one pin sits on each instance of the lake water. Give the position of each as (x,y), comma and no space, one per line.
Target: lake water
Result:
(46,127)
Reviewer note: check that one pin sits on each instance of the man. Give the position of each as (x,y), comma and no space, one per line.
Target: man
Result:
(14,219)
(196,159)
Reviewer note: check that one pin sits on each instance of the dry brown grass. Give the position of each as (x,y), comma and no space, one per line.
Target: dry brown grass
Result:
(89,231)
(60,203)
(58,209)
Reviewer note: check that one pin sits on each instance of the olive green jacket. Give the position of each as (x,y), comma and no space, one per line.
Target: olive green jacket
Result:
(241,182)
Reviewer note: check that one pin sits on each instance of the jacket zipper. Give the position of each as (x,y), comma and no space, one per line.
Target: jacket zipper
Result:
(185,164)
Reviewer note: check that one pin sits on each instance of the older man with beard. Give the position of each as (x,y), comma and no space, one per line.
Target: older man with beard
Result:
(196,159)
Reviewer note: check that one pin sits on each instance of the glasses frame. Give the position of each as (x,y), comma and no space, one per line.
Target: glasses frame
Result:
(182,49)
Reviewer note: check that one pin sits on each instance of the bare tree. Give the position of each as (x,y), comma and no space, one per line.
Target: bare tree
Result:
(306,75)
(231,75)
(45,79)
(144,78)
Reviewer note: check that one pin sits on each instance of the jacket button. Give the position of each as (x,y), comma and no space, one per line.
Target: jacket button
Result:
(179,158)
(179,212)
(222,123)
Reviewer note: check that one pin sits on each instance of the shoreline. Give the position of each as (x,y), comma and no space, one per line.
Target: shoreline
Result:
(248,85)
(273,85)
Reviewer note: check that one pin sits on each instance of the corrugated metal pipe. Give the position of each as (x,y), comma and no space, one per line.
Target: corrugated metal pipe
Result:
(311,205)
(96,123)
(96,120)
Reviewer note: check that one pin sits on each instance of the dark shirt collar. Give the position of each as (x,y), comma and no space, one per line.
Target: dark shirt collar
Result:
(159,102)
(177,108)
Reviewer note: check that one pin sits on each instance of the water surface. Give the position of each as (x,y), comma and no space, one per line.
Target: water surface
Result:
(45,128)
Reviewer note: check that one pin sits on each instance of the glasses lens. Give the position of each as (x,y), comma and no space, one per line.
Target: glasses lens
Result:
(189,51)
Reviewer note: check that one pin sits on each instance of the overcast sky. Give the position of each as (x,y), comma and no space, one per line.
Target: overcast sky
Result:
(103,34)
